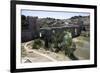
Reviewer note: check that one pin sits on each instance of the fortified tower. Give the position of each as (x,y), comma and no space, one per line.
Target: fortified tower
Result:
(31,31)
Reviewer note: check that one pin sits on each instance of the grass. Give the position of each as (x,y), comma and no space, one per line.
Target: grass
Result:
(84,36)
(81,40)
(79,43)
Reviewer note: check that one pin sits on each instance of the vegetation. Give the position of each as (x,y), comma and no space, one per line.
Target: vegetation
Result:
(57,39)
(86,35)
(81,39)
(63,42)
(60,41)
(50,22)
(37,44)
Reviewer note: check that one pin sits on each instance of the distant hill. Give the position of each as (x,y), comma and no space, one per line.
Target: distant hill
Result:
(78,19)
(52,22)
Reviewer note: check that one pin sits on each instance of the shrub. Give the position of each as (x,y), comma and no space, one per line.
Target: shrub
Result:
(62,41)
(57,38)
(37,44)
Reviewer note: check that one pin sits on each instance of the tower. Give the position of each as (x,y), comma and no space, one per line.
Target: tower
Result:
(33,26)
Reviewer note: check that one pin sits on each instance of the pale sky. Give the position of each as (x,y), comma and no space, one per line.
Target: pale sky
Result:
(52,14)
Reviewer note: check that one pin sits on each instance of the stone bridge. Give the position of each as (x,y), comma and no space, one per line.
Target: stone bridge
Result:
(34,31)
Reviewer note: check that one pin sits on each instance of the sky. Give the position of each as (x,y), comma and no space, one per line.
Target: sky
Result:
(52,14)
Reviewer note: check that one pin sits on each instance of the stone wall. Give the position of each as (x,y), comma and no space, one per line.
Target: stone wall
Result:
(31,32)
